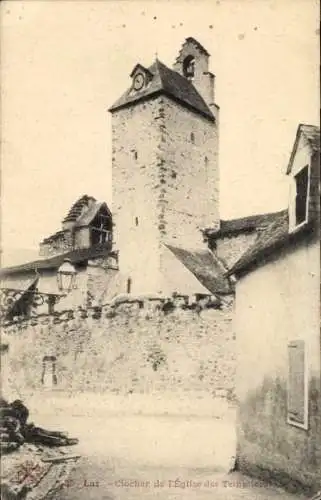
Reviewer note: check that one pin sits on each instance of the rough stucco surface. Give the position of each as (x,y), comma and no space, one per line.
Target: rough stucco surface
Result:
(276,304)
(165,184)
(133,347)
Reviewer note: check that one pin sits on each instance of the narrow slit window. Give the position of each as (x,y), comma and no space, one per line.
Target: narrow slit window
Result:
(49,377)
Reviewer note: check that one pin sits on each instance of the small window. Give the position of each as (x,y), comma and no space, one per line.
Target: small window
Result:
(101,230)
(129,285)
(49,377)
(301,199)
(297,385)
(136,221)
(192,138)
(135,155)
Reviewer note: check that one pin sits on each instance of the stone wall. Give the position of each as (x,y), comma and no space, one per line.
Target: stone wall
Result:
(132,345)
(230,248)
(56,244)
(136,188)
(165,184)
(189,174)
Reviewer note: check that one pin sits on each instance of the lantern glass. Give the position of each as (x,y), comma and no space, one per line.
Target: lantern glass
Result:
(66,276)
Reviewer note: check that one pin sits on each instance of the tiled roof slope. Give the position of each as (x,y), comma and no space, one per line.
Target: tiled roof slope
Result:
(77,208)
(244,224)
(167,82)
(76,256)
(276,233)
(274,238)
(87,217)
(205,267)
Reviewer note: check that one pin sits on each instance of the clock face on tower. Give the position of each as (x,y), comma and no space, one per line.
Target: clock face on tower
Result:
(139,81)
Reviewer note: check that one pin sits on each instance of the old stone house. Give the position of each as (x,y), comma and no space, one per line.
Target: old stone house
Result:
(85,239)
(277,326)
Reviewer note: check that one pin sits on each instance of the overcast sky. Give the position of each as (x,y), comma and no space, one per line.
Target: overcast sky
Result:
(64,63)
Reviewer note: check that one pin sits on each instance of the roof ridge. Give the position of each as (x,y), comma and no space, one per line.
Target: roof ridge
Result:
(262,214)
(170,83)
(77,207)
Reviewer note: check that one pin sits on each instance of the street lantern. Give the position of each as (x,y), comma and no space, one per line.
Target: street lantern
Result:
(66,275)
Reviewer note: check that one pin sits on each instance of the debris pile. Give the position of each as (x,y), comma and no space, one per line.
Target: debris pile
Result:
(14,429)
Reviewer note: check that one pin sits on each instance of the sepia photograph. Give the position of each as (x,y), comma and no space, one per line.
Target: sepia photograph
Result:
(160,250)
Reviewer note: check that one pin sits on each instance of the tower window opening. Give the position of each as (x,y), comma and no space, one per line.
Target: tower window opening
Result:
(192,138)
(136,221)
(135,155)
(129,285)
(189,67)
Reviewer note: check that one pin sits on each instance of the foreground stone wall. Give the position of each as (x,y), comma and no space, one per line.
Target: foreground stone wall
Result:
(133,345)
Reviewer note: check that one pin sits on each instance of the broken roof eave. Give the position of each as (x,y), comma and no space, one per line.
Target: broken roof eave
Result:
(209,116)
(247,224)
(300,131)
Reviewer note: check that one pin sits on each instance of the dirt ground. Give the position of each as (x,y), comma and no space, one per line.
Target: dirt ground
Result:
(132,451)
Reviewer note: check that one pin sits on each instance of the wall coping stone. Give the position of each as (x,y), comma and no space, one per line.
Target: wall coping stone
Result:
(154,303)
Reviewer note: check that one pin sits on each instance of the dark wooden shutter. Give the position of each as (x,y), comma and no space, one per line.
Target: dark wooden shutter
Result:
(302,182)
(297,382)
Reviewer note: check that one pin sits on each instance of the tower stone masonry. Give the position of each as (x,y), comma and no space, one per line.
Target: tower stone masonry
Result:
(165,172)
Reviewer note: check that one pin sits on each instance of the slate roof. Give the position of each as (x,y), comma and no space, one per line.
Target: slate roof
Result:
(274,238)
(312,135)
(250,223)
(205,267)
(91,213)
(170,83)
(76,257)
(77,208)
(276,234)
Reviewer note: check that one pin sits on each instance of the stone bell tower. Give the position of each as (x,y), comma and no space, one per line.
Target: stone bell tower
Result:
(165,163)
(192,62)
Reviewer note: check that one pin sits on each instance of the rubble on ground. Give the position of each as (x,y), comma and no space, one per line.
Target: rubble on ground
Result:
(14,429)
(31,464)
